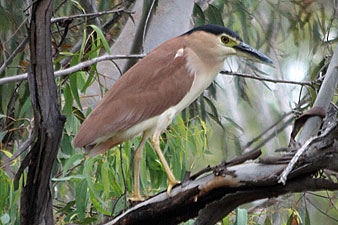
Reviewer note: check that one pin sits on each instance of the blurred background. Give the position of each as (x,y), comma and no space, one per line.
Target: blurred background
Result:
(249,106)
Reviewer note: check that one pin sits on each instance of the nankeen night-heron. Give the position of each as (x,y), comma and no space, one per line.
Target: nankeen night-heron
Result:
(145,100)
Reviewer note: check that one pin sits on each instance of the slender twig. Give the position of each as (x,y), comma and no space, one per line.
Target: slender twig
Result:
(12,56)
(24,145)
(321,211)
(273,134)
(146,24)
(124,178)
(54,20)
(16,31)
(73,69)
(267,129)
(307,83)
(300,151)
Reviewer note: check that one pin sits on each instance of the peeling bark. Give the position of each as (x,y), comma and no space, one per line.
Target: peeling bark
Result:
(36,198)
(212,196)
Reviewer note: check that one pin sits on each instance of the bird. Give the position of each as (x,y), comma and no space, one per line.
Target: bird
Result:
(146,98)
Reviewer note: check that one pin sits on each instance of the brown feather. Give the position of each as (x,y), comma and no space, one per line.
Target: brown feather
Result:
(151,86)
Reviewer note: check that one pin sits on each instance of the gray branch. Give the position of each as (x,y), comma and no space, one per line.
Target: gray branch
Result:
(213,196)
(72,69)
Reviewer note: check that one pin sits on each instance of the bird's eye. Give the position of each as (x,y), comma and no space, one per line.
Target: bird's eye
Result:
(225,39)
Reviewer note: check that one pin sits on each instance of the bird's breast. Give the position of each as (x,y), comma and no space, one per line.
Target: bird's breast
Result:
(200,83)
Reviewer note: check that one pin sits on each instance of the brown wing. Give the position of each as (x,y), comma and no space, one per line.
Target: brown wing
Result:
(153,85)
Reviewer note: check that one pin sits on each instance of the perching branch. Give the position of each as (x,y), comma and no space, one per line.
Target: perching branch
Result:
(213,196)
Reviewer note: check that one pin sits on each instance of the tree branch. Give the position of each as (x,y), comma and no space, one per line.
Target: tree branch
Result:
(302,83)
(213,196)
(323,99)
(72,69)
(54,20)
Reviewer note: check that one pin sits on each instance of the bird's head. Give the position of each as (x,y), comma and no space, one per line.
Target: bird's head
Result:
(214,41)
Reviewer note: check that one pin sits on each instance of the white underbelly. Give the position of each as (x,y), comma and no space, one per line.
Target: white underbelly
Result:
(160,123)
(199,85)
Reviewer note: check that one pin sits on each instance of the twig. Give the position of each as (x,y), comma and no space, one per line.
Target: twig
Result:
(124,178)
(321,211)
(54,20)
(12,56)
(270,136)
(300,151)
(146,24)
(16,31)
(307,83)
(72,69)
(267,129)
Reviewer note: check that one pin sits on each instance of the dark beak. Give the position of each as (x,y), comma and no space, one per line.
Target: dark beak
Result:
(248,52)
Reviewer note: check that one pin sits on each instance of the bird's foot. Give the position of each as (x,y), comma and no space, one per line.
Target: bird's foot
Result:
(171,184)
(136,198)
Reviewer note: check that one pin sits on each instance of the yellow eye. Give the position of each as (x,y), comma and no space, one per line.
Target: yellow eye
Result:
(225,39)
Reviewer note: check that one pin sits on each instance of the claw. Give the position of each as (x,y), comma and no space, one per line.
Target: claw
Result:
(171,184)
(136,198)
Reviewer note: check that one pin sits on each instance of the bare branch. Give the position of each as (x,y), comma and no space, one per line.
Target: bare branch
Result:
(303,83)
(12,56)
(323,99)
(214,195)
(54,20)
(73,69)
(300,151)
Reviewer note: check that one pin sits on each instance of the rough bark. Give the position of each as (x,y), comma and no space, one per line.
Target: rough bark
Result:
(36,198)
(213,196)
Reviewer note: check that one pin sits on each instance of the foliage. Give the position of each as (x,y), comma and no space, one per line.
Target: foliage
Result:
(86,190)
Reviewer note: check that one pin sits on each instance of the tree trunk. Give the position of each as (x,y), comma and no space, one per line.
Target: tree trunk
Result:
(36,197)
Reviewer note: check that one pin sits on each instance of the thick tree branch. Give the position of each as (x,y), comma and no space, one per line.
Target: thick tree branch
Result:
(36,197)
(213,196)
(323,99)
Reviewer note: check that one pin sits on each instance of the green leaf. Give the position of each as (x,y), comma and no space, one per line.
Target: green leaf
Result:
(97,204)
(198,15)
(307,217)
(102,38)
(72,161)
(241,216)
(214,111)
(25,108)
(292,218)
(3,134)
(267,221)
(88,167)
(81,199)
(67,146)
(214,15)
(83,44)
(105,179)
(67,108)
(5,219)
(74,88)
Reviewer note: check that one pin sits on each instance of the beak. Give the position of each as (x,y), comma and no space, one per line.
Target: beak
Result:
(247,51)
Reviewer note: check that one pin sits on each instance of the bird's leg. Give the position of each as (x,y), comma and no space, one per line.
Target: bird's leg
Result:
(137,160)
(171,179)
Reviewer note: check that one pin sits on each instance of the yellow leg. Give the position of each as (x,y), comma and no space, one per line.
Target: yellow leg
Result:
(136,196)
(171,179)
